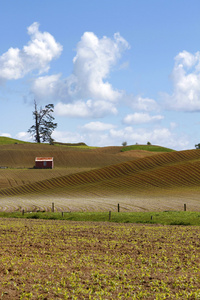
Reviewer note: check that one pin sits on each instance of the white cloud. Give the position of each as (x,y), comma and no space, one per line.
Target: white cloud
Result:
(86,92)
(111,136)
(67,137)
(6,134)
(97,126)
(186,83)
(140,118)
(82,109)
(47,87)
(92,65)
(36,55)
(141,103)
(187,59)
(24,136)
(158,136)
(173,125)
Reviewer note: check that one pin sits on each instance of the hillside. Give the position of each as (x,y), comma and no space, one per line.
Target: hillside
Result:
(148,147)
(160,171)
(137,183)
(88,178)
(18,158)
(8,141)
(23,155)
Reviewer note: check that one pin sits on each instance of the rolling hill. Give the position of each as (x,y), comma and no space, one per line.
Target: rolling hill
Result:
(23,155)
(97,178)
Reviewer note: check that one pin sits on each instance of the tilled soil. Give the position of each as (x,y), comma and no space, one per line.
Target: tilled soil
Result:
(41,259)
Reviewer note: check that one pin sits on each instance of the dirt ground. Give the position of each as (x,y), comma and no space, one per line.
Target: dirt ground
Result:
(147,201)
(42,259)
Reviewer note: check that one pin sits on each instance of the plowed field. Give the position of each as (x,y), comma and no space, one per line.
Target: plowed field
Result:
(99,178)
(158,182)
(23,155)
(76,260)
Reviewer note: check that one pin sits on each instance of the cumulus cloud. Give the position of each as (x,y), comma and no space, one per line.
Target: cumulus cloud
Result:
(85,109)
(97,126)
(142,103)
(157,136)
(36,55)
(67,136)
(140,118)
(92,65)
(47,87)
(113,136)
(87,88)
(186,83)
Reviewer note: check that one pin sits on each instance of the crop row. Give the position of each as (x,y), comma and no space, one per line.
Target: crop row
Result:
(163,170)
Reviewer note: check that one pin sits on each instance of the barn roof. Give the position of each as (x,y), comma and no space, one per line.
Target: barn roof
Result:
(44,159)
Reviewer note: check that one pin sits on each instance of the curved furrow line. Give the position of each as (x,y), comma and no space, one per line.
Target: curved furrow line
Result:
(115,172)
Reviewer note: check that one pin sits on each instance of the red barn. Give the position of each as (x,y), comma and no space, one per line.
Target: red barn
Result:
(44,163)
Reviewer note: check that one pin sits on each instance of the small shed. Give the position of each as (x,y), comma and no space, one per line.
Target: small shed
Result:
(44,163)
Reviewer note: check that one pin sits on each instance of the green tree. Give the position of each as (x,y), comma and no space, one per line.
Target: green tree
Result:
(43,123)
(124,144)
(197,146)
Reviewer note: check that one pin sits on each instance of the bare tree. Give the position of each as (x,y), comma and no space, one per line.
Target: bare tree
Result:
(44,126)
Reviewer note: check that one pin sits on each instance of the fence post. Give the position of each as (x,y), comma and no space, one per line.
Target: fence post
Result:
(22,212)
(184,207)
(118,208)
(62,214)
(109,215)
(52,209)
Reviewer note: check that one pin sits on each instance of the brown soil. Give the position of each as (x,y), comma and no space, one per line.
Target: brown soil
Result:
(153,182)
(76,260)
(23,156)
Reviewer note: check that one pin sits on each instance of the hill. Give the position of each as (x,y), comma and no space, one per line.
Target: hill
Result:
(153,148)
(7,141)
(19,157)
(154,182)
(16,154)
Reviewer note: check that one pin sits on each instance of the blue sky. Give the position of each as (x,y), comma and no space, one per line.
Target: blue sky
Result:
(115,70)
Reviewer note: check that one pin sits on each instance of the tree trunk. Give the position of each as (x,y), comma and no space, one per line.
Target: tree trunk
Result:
(37,125)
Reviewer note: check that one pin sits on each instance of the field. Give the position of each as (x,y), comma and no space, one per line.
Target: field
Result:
(142,178)
(61,257)
(83,260)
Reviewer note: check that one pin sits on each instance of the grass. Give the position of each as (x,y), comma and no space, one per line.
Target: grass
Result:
(164,218)
(7,141)
(75,147)
(147,148)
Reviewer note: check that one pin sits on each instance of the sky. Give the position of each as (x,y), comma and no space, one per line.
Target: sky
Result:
(116,70)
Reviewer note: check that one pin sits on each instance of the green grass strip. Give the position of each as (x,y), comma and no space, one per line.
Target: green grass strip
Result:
(7,141)
(147,148)
(165,218)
